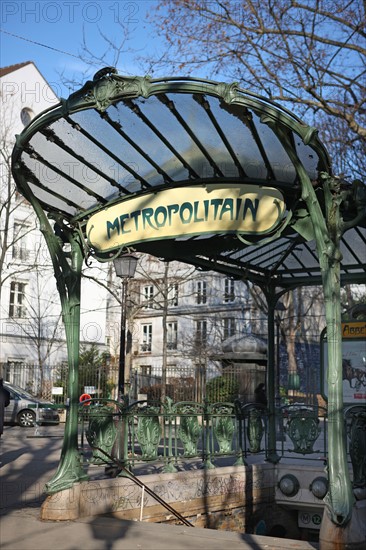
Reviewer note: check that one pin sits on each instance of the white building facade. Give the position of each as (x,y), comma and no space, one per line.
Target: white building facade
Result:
(32,338)
(199,312)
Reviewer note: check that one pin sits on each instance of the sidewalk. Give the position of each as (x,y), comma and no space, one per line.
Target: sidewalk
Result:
(28,463)
(21,529)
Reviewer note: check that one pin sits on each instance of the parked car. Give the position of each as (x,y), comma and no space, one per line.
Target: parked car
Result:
(26,409)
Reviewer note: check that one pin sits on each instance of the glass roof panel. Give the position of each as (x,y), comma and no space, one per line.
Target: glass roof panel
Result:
(88,170)
(308,157)
(118,147)
(53,180)
(276,154)
(163,117)
(140,132)
(213,149)
(353,246)
(47,199)
(89,157)
(85,146)
(240,138)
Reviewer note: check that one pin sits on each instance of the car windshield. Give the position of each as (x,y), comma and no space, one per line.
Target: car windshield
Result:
(21,392)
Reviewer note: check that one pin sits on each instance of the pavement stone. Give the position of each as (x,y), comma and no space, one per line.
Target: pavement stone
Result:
(28,460)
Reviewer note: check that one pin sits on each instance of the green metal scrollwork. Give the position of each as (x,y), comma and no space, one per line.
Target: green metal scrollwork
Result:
(223,427)
(357,448)
(189,430)
(67,269)
(148,433)
(255,430)
(169,419)
(329,226)
(105,88)
(303,429)
(101,432)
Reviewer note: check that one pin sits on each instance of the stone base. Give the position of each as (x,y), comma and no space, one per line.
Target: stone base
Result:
(233,498)
(350,537)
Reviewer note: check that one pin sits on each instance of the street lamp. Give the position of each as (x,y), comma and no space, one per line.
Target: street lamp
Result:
(125,267)
(279,307)
(279,427)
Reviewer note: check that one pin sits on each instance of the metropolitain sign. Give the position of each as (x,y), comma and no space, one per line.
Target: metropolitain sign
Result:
(186,211)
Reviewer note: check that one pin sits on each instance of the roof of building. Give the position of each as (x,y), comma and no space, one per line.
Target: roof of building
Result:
(12,68)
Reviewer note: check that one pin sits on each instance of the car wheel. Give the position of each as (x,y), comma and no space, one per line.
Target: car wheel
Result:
(26,418)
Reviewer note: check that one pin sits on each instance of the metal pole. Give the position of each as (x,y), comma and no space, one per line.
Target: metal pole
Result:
(272,455)
(122,349)
(279,418)
(278,395)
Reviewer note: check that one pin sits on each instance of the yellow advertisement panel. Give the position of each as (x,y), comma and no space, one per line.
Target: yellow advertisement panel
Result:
(193,210)
(353,362)
(354,329)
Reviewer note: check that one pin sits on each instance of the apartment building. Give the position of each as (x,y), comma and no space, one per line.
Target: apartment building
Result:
(32,338)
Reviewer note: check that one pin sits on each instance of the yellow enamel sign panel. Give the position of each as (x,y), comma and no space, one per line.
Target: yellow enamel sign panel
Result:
(193,210)
(354,329)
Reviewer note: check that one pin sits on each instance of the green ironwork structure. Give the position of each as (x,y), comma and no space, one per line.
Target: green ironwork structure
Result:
(172,434)
(120,137)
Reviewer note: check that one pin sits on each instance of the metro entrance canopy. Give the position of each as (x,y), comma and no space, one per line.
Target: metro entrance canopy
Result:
(121,138)
(204,173)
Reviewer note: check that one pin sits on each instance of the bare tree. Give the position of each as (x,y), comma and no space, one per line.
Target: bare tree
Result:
(167,283)
(308,55)
(110,53)
(17,221)
(41,331)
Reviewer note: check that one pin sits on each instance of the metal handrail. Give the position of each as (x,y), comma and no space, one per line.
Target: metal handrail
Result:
(146,488)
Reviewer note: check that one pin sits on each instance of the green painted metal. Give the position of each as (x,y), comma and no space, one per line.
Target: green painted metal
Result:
(189,430)
(67,269)
(303,429)
(170,455)
(272,455)
(101,431)
(176,433)
(356,430)
(223,426)
(255,430)
(148,432)
(328,230)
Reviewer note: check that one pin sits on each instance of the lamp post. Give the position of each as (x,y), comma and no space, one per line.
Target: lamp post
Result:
(125,267)
(279,427)
(279,307)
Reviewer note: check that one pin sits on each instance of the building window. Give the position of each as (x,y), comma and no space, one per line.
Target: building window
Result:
(229,327)
(173,295)
(19,373)
(172,335)
(146,337)
(20,251)
(148,296)
(17,309)
(201,292)
(201,332)
(229,293)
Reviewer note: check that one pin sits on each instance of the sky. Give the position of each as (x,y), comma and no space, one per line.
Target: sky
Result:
(50,33)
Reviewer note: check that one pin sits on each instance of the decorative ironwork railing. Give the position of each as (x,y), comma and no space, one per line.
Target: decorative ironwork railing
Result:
(174,436)
(171,433)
